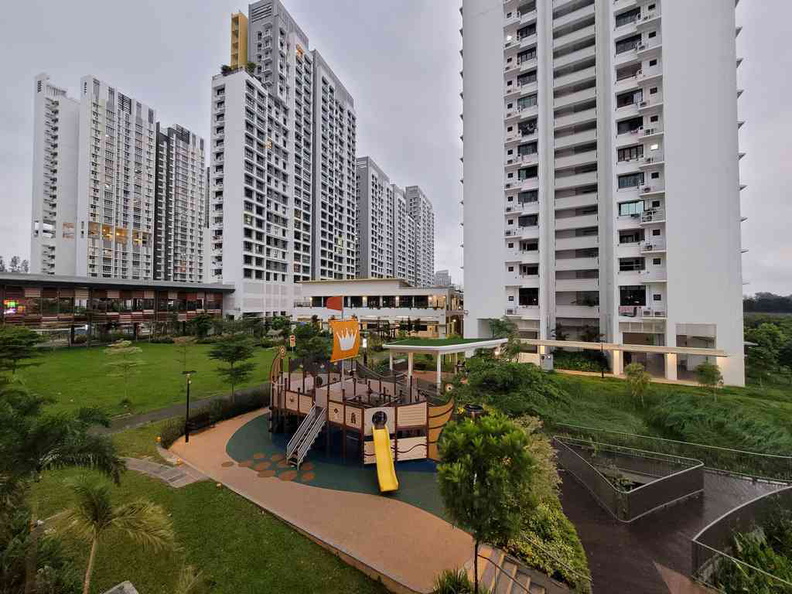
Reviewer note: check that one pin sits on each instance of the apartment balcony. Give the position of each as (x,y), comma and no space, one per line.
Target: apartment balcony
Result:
(575,77)
(628,250)
(619,5)
(572,17)
(653,215)
(520,89)
(523,186)
(648,20)
(652,161)
(577,284)
(522,208)
(523,257)
(531,232)
(577,311)
(574,37)
(525,281)
(572,98)
(521,112)
(651,105)
(525,312)
(520,160)
(573,57)
(519,136)
(519,67)
(577,201)
(577,263)
(654,275)
(653,246)
(626,278)
(575,160)
(576,138)
(580,179)
(640,311)
(578,222)
(576,243)
(649,48)
(653,190)
(580,117)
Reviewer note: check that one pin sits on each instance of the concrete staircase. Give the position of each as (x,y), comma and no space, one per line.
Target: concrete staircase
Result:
(501,574)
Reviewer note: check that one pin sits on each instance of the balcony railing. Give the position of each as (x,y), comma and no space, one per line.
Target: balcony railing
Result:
(653,215)
(653,246)
(639,311)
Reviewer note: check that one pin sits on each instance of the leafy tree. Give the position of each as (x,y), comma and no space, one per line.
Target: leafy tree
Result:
(201,324)
(234,354)
(762,361)
(591,334)
(281,323)
(13,265)
(24,266)
(226,69)
(125,363)
(505,328)
(95,516)
(183,348)
(638,380)
(18,347)
(485,478)
(311,343)
(2,264)
(709,376)
(250,67)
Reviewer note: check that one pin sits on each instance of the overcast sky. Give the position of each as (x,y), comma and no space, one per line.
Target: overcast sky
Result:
(399,59)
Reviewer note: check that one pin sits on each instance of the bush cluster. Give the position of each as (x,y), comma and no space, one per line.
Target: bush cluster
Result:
(580,360)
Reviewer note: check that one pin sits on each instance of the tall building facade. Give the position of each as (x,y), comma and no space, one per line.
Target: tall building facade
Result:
(94,182)
(601,177)
(281,182)
(422,213)
(395,228)
(180,200)
(334,204)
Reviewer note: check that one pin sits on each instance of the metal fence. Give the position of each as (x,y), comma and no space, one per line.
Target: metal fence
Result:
(755,465)
(712,547)
(671,478)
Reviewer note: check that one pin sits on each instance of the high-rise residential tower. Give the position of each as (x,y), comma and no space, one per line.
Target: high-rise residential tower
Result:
(422,213)
(601,177)
(180,206)
(334,182)
(395,228)
(94,182)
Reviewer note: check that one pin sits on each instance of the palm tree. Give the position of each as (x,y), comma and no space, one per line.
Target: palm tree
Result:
(95,516)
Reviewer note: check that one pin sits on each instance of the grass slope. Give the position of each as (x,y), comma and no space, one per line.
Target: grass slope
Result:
(81,377)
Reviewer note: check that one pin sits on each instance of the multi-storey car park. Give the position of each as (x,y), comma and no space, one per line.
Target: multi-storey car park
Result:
(601,177)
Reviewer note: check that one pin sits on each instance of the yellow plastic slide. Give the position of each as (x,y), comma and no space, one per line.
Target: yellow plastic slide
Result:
(386,471)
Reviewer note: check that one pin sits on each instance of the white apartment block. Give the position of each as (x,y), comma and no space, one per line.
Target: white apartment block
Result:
(420,208)
(375,221)
(180,206)
(94,182)
(395,228)
(601,176)
(334,205)
(251,208)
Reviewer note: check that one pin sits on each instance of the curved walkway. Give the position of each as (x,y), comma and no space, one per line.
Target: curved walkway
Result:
(382,536)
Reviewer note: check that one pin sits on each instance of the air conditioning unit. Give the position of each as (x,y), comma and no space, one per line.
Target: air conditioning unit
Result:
(647,189)
(643,103)
(649,160)
(649,131)
(648,247)
(509,209)
(640,47)
(511,311)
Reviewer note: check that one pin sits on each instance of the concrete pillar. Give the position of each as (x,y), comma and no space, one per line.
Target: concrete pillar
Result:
(617,362)
(390,358)
(671,366)
(409,364)
(439,370)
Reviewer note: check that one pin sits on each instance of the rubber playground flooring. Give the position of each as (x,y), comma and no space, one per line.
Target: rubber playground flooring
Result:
(252,446)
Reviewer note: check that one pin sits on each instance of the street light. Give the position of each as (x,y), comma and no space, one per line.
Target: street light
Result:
(188,375)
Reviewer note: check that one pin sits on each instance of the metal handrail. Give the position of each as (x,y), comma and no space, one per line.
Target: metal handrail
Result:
(310,437)
(503,571)
(302,430)
(561,563)
(701,580)
(688,444)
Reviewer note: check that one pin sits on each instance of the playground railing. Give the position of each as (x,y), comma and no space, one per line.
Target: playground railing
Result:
(755,465)
(713,563)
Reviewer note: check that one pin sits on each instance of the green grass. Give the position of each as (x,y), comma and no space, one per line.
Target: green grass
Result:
(81,377)
(240,547)
(430,342)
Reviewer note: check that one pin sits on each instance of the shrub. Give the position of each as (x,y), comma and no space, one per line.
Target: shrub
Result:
(80,339)
(162,340)
(580,360)
(455,581)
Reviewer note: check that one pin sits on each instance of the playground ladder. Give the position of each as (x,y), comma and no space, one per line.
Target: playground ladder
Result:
(304,437)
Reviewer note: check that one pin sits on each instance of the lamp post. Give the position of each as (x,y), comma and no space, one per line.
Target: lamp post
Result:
(188,375)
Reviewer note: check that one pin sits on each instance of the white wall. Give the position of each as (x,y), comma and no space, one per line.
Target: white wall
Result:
(483,231)
(702,174)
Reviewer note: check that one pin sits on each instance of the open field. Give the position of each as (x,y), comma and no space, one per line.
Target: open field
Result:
(81,377)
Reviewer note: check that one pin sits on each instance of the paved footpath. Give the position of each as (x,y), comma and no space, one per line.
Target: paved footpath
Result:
(174,476)
(403,543)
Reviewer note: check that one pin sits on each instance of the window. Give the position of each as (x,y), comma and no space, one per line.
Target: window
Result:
(655,204)
(627,44)
(653,91)
(654,119)
(528,297)
(657,261)
(630,125)
(527,197)
(526,102)
(652,34)
(627,17)
(655,175)
(630,153)
(527,149)
(631,180)
(632,295)
(511,244)
(628,209)
(511,268)
(528,173)
(632,236)
(528,220)
(527,78)
(630,98)
(655,232)
(653,62)
(631,264)
(657,297)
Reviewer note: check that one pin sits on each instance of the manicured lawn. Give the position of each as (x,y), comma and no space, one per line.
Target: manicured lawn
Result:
(238,546)
(81,377)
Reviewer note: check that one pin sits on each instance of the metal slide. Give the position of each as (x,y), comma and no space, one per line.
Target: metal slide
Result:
(386,471)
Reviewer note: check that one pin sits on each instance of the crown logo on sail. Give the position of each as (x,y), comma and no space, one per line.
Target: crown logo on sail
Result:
(346,340)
